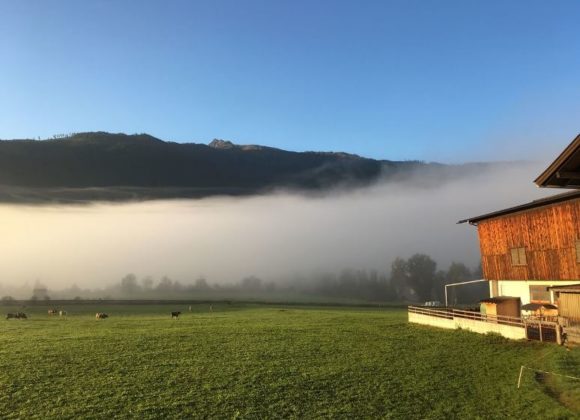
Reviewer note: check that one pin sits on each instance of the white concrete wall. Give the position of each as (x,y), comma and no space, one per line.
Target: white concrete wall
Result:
(508,331)
(432,321)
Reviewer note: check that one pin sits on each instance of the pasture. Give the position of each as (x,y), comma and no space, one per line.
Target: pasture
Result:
(260,361)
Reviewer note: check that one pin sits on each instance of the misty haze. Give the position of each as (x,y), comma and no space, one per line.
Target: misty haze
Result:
(278,238)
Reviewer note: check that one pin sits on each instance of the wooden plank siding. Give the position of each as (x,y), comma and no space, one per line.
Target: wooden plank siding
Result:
(549,235)
(569,305)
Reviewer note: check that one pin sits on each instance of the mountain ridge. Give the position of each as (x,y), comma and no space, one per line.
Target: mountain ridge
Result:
(118,166)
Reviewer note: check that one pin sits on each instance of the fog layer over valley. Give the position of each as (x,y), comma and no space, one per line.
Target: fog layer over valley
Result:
(280,238)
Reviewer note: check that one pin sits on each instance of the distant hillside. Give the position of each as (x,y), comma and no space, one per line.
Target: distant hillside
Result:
(104,166)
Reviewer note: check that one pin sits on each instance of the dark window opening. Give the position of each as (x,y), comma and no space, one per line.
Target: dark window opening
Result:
(539,294)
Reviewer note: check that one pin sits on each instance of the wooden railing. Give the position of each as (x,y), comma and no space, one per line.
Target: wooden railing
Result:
(450,313)
(542,329)
(547,320)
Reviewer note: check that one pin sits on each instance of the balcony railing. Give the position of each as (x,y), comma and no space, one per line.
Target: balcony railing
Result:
(450,313)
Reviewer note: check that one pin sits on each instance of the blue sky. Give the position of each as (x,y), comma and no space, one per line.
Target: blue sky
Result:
(432,80)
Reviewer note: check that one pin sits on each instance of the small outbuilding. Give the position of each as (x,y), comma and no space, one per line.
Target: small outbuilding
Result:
(501,306)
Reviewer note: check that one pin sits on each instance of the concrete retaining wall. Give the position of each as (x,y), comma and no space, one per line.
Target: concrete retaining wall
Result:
(482,327)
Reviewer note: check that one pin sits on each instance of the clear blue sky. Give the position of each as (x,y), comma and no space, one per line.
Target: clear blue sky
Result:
(432,79)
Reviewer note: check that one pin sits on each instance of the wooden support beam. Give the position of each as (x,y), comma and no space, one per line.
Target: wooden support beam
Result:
(568,175)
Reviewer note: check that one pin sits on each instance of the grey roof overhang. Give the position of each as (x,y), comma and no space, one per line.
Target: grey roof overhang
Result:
(523,207)
(571,288)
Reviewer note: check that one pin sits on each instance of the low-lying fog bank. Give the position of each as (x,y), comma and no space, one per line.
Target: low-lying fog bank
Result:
(277,238)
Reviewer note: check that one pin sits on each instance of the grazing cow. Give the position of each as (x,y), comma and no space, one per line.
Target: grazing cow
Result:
(101,315)
(62,313)
(17,315)
(52,312)
(175,314)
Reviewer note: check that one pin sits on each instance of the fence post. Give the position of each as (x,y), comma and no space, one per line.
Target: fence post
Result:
(520,377)
(540,329)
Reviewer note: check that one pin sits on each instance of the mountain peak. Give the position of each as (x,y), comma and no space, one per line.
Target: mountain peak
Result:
(221,144)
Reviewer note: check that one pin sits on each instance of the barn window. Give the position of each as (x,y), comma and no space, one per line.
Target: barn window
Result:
(578,251)
(539,294)
(518,256)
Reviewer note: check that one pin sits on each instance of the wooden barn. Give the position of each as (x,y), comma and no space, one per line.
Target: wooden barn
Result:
(528,248)
(532,251)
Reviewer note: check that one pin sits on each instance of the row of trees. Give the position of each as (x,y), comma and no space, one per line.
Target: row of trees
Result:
(416,279)
(131,286)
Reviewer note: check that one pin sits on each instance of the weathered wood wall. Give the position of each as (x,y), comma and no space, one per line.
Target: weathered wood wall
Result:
(549,235)
(569,305)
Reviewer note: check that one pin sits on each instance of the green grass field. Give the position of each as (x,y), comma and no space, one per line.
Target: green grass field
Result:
(258,361)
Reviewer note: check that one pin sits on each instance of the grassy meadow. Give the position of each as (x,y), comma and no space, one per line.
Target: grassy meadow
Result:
(261,361)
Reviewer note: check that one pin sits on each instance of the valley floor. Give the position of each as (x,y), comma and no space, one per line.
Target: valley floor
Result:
(260,361)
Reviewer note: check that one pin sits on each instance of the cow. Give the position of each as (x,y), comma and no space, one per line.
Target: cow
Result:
(175,315)
(52,312)
(61,313)
(101,315)
(17,315)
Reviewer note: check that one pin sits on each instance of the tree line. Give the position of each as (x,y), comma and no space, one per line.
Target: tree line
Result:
(415,279)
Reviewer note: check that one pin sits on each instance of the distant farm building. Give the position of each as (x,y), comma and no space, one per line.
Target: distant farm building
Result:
(530,256)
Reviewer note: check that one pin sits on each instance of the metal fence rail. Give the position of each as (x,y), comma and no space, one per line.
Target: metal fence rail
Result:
(450,313)
(536,328)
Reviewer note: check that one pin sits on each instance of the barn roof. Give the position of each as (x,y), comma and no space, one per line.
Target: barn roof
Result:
(523,207)
(564,172)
